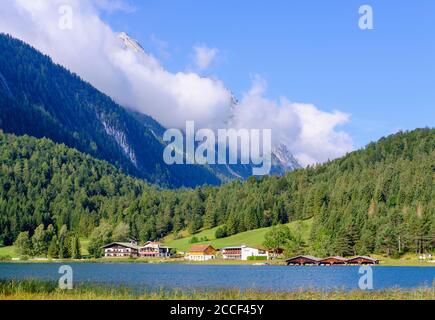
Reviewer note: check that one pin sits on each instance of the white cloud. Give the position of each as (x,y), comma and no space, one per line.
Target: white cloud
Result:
(204,56)
(308,132)
(94,51)
(114,5)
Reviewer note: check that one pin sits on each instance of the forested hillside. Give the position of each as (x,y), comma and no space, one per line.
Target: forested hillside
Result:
(42,99)
(379,199)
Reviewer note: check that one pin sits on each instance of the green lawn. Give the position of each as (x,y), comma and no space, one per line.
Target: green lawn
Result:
(8,251)
(11,252)
(253,238)
(84,244)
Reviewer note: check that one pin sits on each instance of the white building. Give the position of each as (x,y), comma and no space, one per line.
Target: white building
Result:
(243,253)
(201,253)
(121,250)
(133,250)
(154,250)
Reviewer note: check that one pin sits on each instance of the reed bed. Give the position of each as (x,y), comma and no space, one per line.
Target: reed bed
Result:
(47,290)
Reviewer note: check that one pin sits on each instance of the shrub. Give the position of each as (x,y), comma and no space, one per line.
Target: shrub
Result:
(221,232)
(194,240)
(257,258)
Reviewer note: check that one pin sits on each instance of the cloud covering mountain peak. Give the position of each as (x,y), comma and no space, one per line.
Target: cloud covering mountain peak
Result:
(138,81)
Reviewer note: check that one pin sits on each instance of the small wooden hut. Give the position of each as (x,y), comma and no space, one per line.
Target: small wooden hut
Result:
(362,260)
(302,261)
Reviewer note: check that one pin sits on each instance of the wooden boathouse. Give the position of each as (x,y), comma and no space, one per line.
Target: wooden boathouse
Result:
(362,260)
(303,261)
(333,261)
(330,261)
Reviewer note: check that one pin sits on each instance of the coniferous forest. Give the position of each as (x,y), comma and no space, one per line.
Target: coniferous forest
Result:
(376,200)
(43,99)
(73,165)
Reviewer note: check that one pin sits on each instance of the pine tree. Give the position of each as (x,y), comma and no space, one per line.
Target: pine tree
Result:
(23,244)
(121,232)
(210,217)
(75,248)
(39,242)
(53,248)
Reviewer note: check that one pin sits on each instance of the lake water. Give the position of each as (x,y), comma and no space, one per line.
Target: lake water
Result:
(183,276)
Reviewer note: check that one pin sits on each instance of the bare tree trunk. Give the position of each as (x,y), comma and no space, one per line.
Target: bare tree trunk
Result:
(400,246)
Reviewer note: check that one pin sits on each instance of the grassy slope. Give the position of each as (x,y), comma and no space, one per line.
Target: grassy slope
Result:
(252,238)
(8,251)
(11,252)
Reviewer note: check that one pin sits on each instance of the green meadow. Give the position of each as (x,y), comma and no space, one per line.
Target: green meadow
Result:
(11,251)
(253,238)
(8,252)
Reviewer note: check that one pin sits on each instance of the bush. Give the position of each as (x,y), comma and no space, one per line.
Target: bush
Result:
(221,232)
(5,258)
(194,240)
(257,258)
(396,255)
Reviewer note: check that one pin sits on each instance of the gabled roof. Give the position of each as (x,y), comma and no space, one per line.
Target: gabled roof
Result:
(335,258)
(122,244)
(200,248)
(363,257)
(312,258)
(151,244)
(241,247)
(228,248)
(154,245)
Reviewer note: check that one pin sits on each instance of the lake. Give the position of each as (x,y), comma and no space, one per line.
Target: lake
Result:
(183,276)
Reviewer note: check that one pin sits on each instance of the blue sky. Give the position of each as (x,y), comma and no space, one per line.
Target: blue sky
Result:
(308,51)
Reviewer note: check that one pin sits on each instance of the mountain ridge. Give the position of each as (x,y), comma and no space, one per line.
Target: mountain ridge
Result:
(282,159)
(44,99)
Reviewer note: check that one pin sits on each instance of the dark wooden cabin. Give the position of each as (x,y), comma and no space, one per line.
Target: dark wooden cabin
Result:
(333,261)
(302,261)
(362,260)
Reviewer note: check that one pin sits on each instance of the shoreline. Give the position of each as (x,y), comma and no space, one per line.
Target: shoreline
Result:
(217,262)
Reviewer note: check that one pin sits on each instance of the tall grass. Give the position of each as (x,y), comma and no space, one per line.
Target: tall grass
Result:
(48,290)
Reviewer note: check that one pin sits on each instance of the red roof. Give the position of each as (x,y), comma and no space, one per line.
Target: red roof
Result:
(200,248)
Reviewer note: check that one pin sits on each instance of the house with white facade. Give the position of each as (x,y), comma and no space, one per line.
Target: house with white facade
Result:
(154,250)
(201,253)
(133,250)
(244,253)
(121,250)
